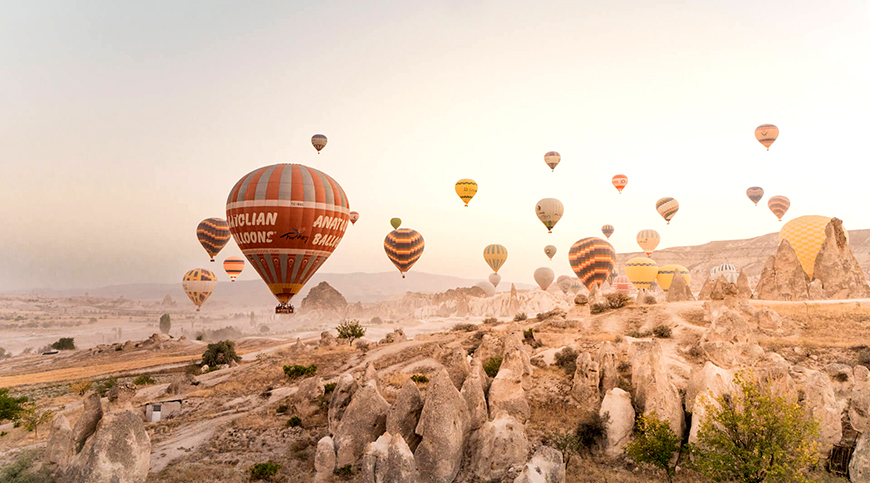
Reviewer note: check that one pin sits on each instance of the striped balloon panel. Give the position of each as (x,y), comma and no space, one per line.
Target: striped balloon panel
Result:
(466,189)
(755,194)
(552,159)
(213,234)
(648,240)
(642,272)
(667,207)
(318,141)
(287,219)
(622,284)
(666,275)
(592,260)
(495,256)
(199,284)
(806,235)
(766,134)
(778,206)
(619,182)
(234,266)
(404,247)
(607,230)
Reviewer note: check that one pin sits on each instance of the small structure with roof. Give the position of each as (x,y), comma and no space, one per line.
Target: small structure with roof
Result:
(157,411)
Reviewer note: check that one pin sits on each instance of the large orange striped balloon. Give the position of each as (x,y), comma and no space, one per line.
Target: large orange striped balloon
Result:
(766,134)
(287,219)
(592,260)
(199,284)
(233,267)
(619,182)
(667,207)
(778,206)
(404,247)
(755,194)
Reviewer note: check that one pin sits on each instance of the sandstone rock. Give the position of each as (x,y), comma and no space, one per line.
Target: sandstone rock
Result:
(490,346)
(783,278)
(581,299)
(859,404)
(457,366)
(821,403)
(679,291)
(769,321)
(307,398)
(370,376)
(843,380)
(344,390)
(728,355)
(443,424)
(728,340)
(118,452)
(324,298)
(815,291)
(389,460)
(404,414)
(501,443)
(475,399)
(87,423)
(364,420)
(506,394)
(324,458)
(705,385)
(706,289)
(773,372)
(837,268)
(586,381)
(653,390)
(60,446)
(546,466)
(859,467)
(397,335)
(608,366)
(743,289)
(617,405)
(327,339)
(514,304)
(515,341)
(121,395)
(180,385)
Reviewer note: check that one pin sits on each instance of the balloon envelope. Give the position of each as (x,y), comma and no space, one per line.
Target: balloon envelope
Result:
(805,234)
(778,206)
(287,219)
(592,259)
(404,247)
(755,194)
(550,250)
(544,277)
(494,279)
(620,181)
(234,266)
(495,256)
(726,270)
(213,234)
(487,288)
(622,284)
(667,207)
(648,240)
(766,134)
(642,272)
(607,230)
(318,141)
(666,275)
(353,216)
(199,284)
(395,223)
(552,159)
(549,211)
(466,189)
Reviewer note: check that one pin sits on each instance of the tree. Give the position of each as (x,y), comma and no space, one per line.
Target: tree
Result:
(655,443)
(33,416)
(165,323)
(350,329)
(10,407)
(753,435)
(80,387)
(64,344)
(220,353)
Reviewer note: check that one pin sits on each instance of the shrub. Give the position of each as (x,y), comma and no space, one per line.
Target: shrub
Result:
(655,443)
(264,329)
(64,344)
(420,378)
(26,469)
(344,472)
(329,387)
(567,360)
(755,434)
(80,387)
(557,312)
(529,335)
(102,387)
(623,367)
(218,353)
(464,327)
(864,357)
(494,321)
(144,380)
(165,323)
(200,336)
(283,408)
(591,431)
(31,417)
(617,300)
(650,300)
(350,329)
(264,471)
(841,377)
(598,308)
(3,433)
(376,321)
(492,366)
(10,407)
(662,331)
(295,371)
(520,316)
(294,422)
(617,339)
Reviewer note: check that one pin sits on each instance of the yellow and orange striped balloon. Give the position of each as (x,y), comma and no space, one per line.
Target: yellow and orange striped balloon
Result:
(778,206)
(466,189)
(806,234)
(766,134)
(620,181)
(233,267)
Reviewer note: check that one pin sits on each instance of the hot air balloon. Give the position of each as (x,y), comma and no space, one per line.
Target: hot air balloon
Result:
(213,235)
(726,270)
(642,272)
(494,279)
(619,182)
(667,207)
(648,240)
(234,266)
(592,260)
(544,277)
(353,216)
(755,194)
(564,282)
(549,211)
(552,159)
(550,250)
(778,206)
(607,230)
(287,219)
(806,234)
(404,247)
(199,284)
(495,256)
(766,134)
(395,223)
(487,288)
(622,284)
(666,275)
(318,141)
(466,189)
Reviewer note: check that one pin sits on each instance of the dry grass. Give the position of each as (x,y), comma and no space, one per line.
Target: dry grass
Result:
(89,372)
(823,325)
(696,316)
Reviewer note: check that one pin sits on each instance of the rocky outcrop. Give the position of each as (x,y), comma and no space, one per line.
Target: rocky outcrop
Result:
(60,447)
(324,298)
(679,290)
(404,414)
(327,339)
(180,385)
(705,386)
(620,420)
(820,402)
(859,467)
(783,278)
(654,392)
(514,304)
(608,366)
(843,381)
(324,458)
(87,423)
(501,443)
(728,341)
(370,375)
(743,288)
(490,346)
(457,366)
(397,335)
(546,466)
(515,341)
(475,399)
(389,460)
(506,394)
(836,267)
(119,452)
(443,425)
(586,380)
(364,420)
(306,401)
(344,390)
(859,403)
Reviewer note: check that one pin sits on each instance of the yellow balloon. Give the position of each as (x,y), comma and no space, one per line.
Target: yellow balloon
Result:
(666,275)
(466,189)
(642,272)
(495,256)
(806,234)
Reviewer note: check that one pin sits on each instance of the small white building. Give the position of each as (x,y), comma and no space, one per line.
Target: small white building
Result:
(160,410)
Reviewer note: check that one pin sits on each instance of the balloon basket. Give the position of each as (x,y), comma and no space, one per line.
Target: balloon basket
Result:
(212,260)
(284,309)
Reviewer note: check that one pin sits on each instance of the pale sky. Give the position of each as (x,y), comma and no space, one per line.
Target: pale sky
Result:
(126,123)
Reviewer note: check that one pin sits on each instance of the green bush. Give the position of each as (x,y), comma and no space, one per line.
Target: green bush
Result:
(350,329)
(218,353)
(598,308)
(567,360)
(102,387)
(650,300)
(3,433)
(283,408)
(655,443)
(295,371)
(520,316)
(32,417)
(662,331)
(492,320)
(294,422)
(144,380)
(492,366)
(10,407)
(591,431)
(264,471)
(419,378)
(329,387)
(64,344)
(26,469)
(345,471)
(464,327)
(617,300)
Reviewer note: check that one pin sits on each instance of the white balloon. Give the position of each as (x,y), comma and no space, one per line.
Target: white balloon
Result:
(494,279)
(544,277)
